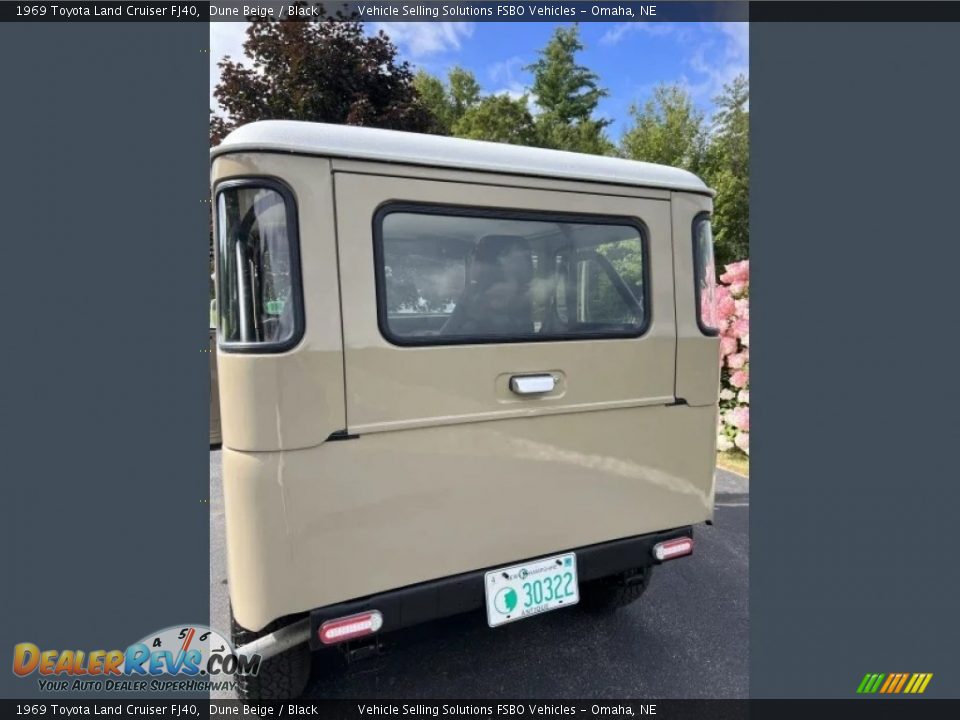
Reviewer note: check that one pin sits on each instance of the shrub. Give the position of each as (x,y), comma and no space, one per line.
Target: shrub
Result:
(733,313)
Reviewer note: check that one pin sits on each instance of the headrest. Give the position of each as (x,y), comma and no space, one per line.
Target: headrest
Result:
(489,256)
(492,247)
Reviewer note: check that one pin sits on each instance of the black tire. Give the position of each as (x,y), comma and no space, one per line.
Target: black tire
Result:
(610,593)
(281,677)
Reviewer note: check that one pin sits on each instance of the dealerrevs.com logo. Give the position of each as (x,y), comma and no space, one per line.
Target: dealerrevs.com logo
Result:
(178,658)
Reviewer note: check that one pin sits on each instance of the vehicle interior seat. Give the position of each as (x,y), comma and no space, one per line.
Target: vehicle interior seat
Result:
(496,299)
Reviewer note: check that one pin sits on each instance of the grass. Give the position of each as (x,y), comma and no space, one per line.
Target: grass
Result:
(734,461)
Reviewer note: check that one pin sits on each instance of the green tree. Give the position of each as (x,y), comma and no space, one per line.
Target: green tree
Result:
(447,102)
(668,129)
(499,118)
(728,172)
(433,95)
(464,91)
(322,71)
(567,94)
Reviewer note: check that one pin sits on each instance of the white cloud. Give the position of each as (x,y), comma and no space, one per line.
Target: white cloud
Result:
(721,59)
(506,70)
(514,90)
(421,39)
(714,54)
(618,32)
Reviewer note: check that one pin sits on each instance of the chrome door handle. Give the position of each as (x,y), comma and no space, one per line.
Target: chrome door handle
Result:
(532,384)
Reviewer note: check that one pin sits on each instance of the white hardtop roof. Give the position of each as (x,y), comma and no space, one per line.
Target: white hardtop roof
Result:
(362,143)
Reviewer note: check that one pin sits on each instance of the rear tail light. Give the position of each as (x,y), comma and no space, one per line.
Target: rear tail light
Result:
(673,548)
(348,628)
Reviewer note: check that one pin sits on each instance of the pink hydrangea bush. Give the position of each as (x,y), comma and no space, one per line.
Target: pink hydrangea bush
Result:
(733,317)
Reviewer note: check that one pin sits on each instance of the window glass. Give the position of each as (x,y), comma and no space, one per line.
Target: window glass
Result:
(257,302)
(706,275)
(447,278)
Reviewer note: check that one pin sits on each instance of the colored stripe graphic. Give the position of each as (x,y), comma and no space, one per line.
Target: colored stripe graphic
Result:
(886,685)
(894,683)
(870,683)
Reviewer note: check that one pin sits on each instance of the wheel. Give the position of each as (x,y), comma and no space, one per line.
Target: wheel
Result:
(281,677)
(610,593)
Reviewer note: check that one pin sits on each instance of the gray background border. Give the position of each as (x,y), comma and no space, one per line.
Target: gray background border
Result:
(855,259)
(104,409)
(853,563)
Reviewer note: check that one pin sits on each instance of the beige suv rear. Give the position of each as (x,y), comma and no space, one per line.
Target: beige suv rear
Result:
(453,376)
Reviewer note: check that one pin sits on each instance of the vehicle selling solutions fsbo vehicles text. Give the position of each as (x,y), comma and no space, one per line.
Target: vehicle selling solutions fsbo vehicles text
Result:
(503,10)
(515,710)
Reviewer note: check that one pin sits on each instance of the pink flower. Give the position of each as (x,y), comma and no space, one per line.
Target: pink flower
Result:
(738,289)
(739,417)
(726,307)
(740,378)
(743,308)
(728,345)
(740,328)
(736,272)
(736,361)
(742,441)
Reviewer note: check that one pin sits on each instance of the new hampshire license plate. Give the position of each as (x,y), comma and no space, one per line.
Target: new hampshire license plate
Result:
(518,592)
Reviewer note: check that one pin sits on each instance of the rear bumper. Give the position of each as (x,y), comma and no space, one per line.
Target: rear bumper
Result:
(461,593)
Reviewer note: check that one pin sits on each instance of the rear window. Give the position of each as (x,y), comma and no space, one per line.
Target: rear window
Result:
(449,276)
(258,275)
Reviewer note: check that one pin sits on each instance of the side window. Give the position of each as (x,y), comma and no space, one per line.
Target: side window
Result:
(705,275)
(466,276)
(258,285)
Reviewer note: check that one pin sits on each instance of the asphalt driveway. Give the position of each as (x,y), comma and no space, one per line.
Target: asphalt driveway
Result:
(687,637)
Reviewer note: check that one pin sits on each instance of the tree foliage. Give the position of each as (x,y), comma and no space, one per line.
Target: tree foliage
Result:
(671,131)
(567,95)
(449,102)
(461,110)
(668,130)
(331,71)
(564,89)
(464,91)
(499,118)
(322,71)
(728,172)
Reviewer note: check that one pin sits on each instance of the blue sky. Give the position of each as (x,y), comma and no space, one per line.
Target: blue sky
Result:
(631,58)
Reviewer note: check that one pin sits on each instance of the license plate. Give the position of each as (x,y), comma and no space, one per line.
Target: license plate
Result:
(521,591)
